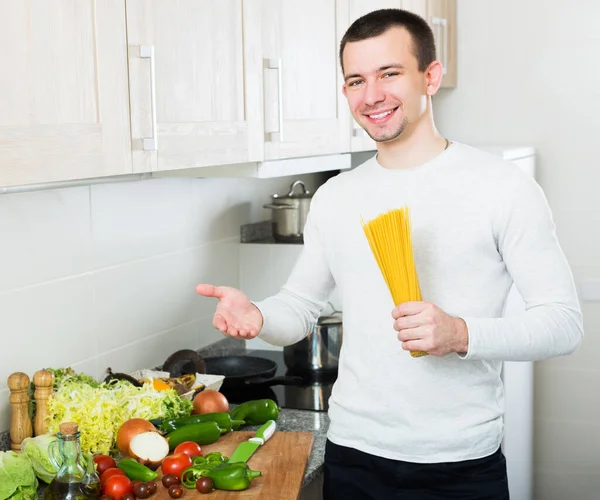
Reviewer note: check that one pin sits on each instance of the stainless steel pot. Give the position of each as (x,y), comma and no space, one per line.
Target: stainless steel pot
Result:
(289,212)
(319,351)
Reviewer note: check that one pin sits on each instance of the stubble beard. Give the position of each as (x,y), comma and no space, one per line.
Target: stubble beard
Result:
(386,136)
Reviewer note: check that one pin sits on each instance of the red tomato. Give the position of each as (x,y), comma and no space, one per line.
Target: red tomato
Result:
(113,471)
(117,486)
(104,462)
(176,464)
(189,448)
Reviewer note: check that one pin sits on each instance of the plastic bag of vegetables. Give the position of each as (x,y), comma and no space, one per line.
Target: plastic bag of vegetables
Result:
(36,450)
(17,479)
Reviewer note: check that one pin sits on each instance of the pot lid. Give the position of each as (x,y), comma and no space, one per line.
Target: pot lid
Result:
(291,194)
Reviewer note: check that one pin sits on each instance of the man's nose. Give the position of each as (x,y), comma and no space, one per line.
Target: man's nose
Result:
(373,94)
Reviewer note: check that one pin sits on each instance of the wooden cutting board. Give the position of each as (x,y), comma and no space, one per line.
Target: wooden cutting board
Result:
(282,461)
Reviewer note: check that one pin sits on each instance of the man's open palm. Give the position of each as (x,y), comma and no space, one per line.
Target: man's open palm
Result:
(235,314)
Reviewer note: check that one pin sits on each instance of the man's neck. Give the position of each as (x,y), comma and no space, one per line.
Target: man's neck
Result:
(412,149)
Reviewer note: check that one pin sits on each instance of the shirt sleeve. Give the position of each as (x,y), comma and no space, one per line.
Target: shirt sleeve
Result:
(552,324)
(290,315)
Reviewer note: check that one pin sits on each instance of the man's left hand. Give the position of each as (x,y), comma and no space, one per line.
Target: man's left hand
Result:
(423,326)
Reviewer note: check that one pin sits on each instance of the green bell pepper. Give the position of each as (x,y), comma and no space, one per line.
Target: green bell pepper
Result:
(256,412)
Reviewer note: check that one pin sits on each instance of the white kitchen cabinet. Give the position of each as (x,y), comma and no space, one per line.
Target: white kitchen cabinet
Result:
(195,74)
(304,110)
(64,107)
(441,15)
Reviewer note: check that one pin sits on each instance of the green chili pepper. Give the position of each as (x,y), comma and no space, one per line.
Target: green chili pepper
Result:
(256,412)
(202,465)
(201,433)
(136,471)
(232,477)
(223,420)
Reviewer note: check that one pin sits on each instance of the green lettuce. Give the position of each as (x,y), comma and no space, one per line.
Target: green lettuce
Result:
(37,450)
(17,479)
(100,411)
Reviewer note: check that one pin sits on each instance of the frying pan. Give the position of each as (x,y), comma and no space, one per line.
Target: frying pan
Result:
(241,371)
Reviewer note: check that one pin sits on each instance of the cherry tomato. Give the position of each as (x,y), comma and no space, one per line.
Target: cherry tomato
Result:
(204,485)
(189,448)
(176,464)
(170,480)
(175,491)
(117,486)
(113,471)
(104,462)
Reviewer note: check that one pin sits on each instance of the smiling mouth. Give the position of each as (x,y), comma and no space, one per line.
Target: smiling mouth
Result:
(381,116)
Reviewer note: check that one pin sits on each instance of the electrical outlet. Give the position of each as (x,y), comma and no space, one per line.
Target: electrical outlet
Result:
(589,290)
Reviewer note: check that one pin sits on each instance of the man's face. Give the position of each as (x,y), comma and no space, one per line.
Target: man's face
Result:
(383,85)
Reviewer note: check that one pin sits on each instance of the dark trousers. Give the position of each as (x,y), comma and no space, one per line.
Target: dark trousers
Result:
(353,475)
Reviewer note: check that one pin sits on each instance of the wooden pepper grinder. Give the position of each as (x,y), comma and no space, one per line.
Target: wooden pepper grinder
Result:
(20,425)
(43,380)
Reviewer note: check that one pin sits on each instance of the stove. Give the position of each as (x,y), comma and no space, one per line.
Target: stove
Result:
(311,391)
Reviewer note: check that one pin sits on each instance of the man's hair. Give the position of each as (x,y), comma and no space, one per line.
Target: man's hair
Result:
(379,21)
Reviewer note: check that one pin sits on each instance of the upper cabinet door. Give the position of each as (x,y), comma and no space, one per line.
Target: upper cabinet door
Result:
(189,106)
(441,15)
(305,111)
(63,111)
(360,141)
(417,6)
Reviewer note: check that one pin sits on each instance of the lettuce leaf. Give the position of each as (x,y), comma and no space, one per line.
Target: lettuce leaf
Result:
(36,449)
(100,411)
(17,479)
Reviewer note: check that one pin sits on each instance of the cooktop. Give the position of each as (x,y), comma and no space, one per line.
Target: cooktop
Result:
(310,391)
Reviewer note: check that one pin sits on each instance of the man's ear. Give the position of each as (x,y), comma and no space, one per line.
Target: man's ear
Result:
(433,77)
(344,90)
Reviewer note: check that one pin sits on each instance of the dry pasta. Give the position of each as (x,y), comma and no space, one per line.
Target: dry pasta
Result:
(389,236)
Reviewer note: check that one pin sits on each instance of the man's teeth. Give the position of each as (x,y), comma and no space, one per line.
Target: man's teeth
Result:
(381,115)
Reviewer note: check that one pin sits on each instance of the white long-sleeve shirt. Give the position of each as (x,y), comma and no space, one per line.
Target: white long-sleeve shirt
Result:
(478,224)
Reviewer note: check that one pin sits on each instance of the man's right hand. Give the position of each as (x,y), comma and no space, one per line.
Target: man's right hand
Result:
(235,315)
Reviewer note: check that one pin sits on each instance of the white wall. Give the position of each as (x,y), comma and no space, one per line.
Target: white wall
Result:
(101,276)
(529,74)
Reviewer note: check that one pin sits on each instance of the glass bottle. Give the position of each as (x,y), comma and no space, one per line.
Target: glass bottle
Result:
(72,481)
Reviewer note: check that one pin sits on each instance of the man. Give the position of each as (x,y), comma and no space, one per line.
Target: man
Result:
(429,427)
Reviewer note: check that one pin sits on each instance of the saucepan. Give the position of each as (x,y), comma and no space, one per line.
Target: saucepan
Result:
(289,212)
(319,351)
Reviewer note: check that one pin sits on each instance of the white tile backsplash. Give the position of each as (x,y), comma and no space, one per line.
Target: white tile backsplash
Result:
(44,235)
(47,325)
(105,275)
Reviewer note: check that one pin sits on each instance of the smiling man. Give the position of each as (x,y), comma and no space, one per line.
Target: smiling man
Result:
(426,428)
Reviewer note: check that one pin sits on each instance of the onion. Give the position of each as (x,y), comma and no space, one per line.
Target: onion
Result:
(210,401)
(149,448)
(128,430)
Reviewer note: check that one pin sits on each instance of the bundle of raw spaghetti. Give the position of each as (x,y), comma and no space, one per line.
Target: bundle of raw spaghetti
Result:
(389,236)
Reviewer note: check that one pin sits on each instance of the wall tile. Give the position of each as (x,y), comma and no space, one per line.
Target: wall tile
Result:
(561,485)
(139,299)
(134,220)
(47,326)
(44,235)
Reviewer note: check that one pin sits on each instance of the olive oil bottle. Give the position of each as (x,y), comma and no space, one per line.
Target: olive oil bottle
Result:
(72,481)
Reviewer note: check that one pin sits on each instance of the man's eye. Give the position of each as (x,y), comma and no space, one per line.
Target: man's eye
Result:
(354,83)
(387,75)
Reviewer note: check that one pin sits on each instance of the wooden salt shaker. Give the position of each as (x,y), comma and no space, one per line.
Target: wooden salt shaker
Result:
(20,425)
(43,380)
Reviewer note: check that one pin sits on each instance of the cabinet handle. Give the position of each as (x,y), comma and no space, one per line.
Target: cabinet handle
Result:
(276,64)
(151,143)
(440,25)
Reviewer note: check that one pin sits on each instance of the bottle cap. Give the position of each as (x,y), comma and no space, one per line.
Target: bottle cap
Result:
(68,428)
